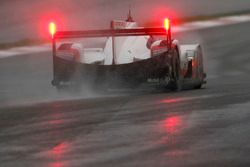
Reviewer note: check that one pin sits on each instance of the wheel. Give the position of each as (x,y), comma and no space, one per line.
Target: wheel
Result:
(198,86)
(54,82)
(176,78)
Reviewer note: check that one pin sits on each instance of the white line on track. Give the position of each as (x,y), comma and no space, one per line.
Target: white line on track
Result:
(221,21)
(24,50)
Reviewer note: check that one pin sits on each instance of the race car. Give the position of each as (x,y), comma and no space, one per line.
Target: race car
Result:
(126,53)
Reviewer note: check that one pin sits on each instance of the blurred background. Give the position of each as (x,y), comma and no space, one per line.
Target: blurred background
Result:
(28,19)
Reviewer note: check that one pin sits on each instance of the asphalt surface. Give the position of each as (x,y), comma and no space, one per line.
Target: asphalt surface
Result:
(140,127)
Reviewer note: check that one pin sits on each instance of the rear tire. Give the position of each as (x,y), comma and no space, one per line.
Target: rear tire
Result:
(176,78)
(198,86)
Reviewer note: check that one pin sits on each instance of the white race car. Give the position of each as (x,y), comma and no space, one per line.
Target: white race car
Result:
(127,53)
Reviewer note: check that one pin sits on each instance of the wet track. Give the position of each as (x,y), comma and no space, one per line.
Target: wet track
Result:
(142,127)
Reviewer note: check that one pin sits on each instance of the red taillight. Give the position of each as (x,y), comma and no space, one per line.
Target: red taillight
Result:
(193,63)
(167,24)
(52,29)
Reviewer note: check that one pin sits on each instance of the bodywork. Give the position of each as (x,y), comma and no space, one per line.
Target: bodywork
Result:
(129,54)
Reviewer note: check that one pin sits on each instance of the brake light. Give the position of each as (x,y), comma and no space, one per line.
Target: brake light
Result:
(193,63)
(167,24)
(52,29)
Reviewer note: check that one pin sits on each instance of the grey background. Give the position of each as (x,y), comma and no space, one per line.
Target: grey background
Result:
(29,18)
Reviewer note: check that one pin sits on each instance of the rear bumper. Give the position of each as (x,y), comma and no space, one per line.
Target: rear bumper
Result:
(66,70)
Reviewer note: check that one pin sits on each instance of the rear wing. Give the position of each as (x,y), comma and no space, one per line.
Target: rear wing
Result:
(110,33)
(166,30)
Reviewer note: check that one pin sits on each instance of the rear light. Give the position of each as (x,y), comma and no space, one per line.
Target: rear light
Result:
(52,29)
(167,24)
(193,63)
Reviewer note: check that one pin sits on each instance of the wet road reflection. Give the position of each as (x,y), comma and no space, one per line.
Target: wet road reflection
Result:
(55,120)
(57,154)
(170,100)
(173,125)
